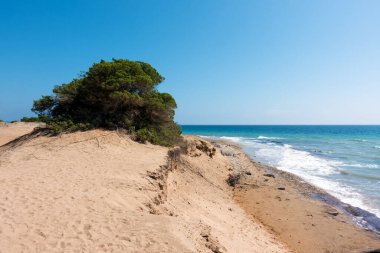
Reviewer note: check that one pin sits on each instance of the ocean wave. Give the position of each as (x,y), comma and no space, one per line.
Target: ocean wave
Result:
(208,136)
(261,137)
(297,161)
(360,140)
(358,165)
(235,139)
(378,147)
(287,158)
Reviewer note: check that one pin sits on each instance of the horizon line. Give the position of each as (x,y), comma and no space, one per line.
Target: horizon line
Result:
(279,124)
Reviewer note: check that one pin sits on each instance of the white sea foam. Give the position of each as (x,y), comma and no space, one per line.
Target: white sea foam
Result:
(361,140)
(358,165)
(234,139)
(378,147)
(208,136)
(295,161)
(268,138)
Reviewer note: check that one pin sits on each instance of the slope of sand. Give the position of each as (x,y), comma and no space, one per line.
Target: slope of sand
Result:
(281,202)
(10,131)
(98,191)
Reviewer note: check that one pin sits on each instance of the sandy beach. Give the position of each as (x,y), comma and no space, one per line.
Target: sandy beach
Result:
(99,191)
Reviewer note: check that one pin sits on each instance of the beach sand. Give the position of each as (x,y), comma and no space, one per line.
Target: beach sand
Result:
(12,131)
(99,191)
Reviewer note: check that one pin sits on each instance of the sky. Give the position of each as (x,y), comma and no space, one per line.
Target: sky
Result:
(224,61)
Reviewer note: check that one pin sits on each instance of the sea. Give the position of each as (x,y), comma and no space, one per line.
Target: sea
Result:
(342,160)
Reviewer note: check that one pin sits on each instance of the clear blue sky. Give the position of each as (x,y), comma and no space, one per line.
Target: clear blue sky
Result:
(225,62)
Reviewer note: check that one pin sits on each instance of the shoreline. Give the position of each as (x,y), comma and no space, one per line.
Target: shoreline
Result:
(361,217)
(303,216)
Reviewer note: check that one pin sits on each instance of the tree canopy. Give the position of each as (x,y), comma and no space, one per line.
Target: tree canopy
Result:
(115,94)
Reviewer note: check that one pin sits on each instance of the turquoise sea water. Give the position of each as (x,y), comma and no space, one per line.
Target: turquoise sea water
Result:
(343,160)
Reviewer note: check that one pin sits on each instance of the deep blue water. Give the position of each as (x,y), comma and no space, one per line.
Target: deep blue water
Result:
(343,160)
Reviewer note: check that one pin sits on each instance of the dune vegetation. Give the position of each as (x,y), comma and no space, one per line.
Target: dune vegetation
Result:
(117,94)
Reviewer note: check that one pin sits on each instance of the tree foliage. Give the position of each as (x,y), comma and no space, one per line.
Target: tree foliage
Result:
(115,94)
(30,119)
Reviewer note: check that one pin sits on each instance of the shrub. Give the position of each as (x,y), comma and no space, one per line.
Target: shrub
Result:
(233,179)
(60,126)
(115,94)
(30,119)
(143,135)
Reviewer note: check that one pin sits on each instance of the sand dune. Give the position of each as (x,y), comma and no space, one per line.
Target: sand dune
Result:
(12,131)
(98,191)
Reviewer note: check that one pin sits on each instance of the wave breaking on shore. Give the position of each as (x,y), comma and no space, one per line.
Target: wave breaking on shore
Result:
(314,169)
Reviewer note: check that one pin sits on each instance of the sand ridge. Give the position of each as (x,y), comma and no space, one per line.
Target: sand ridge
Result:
(11,131)
(98,191)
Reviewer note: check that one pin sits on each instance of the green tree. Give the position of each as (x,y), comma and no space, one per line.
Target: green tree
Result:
(115,94)
(30,119)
